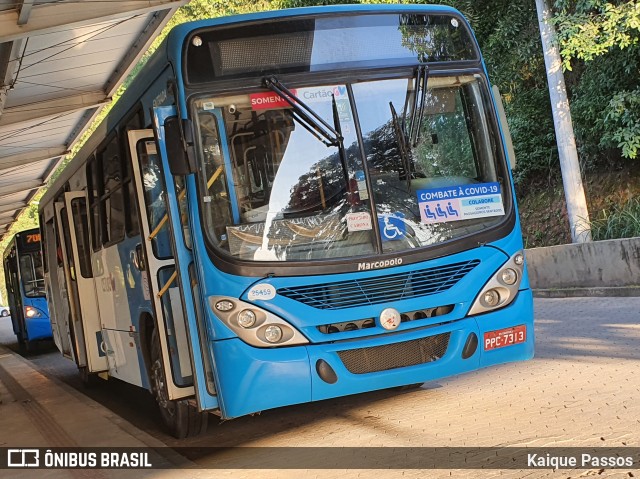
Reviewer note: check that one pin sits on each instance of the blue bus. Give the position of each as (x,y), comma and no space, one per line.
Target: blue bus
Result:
(24,279)
(291,206)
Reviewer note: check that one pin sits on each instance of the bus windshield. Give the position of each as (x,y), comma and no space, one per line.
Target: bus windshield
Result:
(276,192)
(32,274)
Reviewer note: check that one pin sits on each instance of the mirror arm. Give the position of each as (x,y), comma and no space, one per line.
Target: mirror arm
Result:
(185,127)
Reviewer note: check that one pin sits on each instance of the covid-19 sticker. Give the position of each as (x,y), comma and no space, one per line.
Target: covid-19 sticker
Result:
(462,202)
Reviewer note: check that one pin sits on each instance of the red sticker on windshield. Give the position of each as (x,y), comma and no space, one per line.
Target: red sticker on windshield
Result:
(262,101)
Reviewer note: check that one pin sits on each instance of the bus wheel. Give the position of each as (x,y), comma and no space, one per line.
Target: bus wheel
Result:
(180,418)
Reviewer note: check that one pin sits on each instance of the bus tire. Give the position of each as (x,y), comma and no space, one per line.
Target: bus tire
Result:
(181,418)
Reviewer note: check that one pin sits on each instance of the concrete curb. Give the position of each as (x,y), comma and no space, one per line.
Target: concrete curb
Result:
(626,291)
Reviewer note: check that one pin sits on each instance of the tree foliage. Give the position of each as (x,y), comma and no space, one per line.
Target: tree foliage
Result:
(591,28)
(602,41)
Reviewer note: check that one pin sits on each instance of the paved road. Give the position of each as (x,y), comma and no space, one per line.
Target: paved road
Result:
(582,389)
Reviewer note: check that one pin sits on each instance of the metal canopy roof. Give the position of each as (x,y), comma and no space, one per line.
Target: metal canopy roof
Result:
(60,63)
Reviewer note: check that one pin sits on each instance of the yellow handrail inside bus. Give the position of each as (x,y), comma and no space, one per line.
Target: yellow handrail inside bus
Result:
(164,219)
(167,285)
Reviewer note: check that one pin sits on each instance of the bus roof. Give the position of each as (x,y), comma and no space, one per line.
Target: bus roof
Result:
(30,244)
(177,36)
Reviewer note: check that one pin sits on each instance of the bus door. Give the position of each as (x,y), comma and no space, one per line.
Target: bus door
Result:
(68,286)
(14,296)
(86,314)
(171,289)
(55,283)
(157,259)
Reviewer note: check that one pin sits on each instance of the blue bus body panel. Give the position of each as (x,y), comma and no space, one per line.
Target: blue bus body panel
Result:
(138,305)
(461,295)
(253,379)
(40,327)
(261,379)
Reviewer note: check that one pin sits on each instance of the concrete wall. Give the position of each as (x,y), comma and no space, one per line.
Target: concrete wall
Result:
(600,264)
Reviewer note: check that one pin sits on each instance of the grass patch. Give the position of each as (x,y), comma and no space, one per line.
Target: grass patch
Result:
(621,221)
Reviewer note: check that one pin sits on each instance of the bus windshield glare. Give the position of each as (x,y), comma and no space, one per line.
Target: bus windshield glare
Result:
(275,191)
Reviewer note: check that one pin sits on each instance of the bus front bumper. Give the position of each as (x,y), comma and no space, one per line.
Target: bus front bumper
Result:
(256,379)
(38,328)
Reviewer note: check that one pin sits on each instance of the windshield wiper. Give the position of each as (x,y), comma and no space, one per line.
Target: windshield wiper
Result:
(417,110)
(308,118)
(314,123)
(403,148)
(341,151)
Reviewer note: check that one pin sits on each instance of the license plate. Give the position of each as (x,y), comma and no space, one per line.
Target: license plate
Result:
(505,337)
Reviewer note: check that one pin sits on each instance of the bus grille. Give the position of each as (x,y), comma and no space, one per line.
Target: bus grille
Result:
(393,356)
(381,289)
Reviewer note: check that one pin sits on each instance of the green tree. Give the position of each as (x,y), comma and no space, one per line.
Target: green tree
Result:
(609,89)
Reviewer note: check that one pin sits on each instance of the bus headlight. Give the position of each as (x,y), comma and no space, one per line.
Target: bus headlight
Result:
(502,288)
(31,312)
(247,318)
(225,305)
(508,276)
(491,298)
(273,333)
(255,326)
(518,258)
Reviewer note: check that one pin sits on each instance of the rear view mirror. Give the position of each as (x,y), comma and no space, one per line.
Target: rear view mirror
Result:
(179,144)
(505,127)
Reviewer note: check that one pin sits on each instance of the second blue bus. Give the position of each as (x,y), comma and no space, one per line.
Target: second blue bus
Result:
(24,280)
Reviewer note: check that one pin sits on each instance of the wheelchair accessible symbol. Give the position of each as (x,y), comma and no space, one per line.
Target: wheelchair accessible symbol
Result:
(392,227)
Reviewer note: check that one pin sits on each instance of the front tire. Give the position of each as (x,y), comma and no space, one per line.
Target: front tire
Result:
(179,417)
(4,313)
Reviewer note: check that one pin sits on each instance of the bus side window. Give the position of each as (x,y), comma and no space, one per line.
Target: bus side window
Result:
(81,226)
(154,191)
(132,222)
(94,186)
(112,199)
(216,188)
